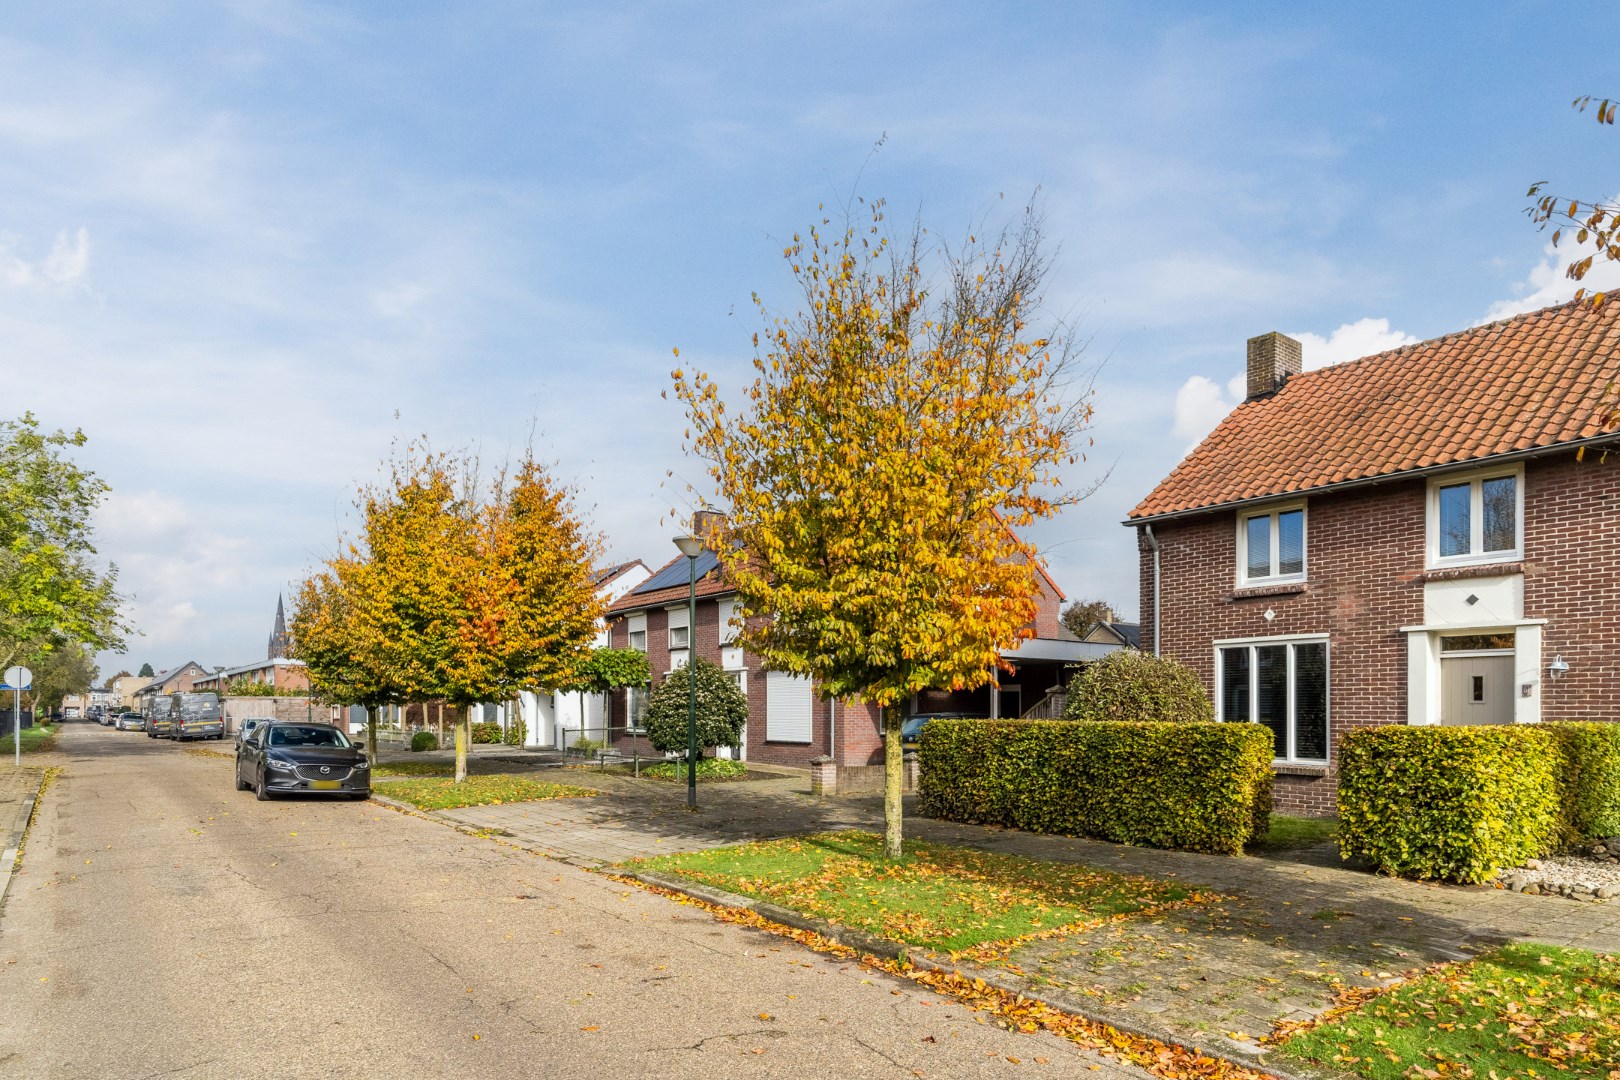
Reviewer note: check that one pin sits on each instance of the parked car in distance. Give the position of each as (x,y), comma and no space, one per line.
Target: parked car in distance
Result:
(282,757)
(911,730)
(130,722)
(104,717)
(196,716)
(250,724)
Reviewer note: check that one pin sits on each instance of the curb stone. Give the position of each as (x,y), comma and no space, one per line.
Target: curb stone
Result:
(890,950)
(8,857)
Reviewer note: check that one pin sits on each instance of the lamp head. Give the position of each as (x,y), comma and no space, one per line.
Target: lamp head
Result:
(690,546)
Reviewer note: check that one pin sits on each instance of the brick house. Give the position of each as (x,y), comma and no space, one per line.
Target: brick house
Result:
(790,721)
(1422,536)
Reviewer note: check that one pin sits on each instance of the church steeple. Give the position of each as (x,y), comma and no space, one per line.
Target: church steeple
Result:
(280,642)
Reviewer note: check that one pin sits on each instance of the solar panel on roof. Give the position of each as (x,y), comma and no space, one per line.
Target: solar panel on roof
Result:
(676,573)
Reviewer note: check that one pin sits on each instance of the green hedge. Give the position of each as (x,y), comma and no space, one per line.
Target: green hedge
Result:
(1196,787)
(485,732)
(1589,777)
(1452,803)
(424,740)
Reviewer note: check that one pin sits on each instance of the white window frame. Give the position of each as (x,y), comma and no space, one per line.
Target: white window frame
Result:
(1244,581)
(636,628)
(638,640)
(1254,697)
(1475,478)
(631,724)
(728,631)
(685,639)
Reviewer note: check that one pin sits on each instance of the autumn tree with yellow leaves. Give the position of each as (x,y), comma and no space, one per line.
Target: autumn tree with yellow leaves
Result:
(898,430)
(464,591)
(345,657)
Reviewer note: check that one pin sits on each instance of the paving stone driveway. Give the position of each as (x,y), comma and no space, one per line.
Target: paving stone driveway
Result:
(1282,937)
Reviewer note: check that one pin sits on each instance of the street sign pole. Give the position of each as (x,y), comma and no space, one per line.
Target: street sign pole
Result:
(18,679)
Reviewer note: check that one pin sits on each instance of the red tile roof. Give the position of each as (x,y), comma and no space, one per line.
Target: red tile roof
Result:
(709,585)
(1529,382)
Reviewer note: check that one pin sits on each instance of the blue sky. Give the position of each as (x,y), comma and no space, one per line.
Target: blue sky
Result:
(246,245)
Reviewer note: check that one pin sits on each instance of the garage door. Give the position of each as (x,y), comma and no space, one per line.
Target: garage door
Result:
(787,708)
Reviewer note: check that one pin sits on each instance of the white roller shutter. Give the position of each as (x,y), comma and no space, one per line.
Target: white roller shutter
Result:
(787,708)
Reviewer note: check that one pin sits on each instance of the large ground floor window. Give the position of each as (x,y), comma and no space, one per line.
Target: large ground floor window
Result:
(1283,685)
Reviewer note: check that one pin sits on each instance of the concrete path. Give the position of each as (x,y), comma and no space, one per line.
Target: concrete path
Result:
(165,924)
(18,787)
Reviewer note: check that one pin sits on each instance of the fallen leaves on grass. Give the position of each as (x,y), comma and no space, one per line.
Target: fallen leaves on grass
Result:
(436,794)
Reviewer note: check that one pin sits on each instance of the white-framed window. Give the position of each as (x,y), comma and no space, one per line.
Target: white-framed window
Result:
(738,676)
(637,626)
(678,637)
(1476,517)
(788,705)
(1271,545)
(728,628)
(1281,683)
(637,707)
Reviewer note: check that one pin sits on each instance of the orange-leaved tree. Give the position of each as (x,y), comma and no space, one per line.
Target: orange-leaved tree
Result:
(1583,221)
(897,431)
(477,593)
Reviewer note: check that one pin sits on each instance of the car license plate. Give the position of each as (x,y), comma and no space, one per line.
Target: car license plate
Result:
(325,785)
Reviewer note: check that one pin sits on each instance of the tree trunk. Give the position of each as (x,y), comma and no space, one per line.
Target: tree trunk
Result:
(893,779)
(463,735)
(371,731)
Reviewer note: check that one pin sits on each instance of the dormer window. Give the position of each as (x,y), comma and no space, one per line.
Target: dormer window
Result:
(1271,546)
(1476,519)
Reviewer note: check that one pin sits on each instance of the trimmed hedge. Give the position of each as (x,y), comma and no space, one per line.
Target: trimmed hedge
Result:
(424,740)
(486,732)
(1195,787)
(1450,803)
(1131,685)
(1589,777)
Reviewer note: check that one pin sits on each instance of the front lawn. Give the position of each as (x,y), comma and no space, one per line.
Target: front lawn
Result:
(1291,833)
(35,739)
(1523,1010)
(936,896)
(431,793)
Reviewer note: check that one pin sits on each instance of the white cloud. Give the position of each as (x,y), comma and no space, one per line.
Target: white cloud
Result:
(1546,283)
(1352,341)
(67,262)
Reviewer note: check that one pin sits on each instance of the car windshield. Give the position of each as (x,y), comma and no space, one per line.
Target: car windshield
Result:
(290,735)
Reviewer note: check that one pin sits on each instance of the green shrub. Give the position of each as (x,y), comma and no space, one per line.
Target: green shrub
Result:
(424,740)
(516,732)
(722,709)
(1450,803)
(585,745)
(486,732)
(1131,685)
(1195,787)
(1589,780)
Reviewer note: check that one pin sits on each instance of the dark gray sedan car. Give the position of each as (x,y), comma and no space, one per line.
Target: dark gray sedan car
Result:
(285,757)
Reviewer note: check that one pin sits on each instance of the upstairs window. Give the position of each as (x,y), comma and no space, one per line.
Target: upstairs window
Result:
(1271,546)
(638,640)
(677,637)
(1476,520)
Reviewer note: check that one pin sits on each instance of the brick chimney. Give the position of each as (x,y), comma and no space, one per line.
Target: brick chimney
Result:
(704,523)
(1272,358)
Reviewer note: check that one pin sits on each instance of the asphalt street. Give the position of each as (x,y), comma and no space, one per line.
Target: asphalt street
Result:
(165,925)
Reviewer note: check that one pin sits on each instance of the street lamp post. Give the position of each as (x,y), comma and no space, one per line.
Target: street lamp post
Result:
(691,547)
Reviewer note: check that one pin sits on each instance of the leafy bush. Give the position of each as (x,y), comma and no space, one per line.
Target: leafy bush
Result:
(707,769)
(1195,787)
(585,744)
(1589,779)
(1131,685)
(424,740)
(722,709)
(1452,803)
(483,732)
(516,732)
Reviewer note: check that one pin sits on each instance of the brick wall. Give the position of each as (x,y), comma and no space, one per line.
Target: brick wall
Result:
(1365,562)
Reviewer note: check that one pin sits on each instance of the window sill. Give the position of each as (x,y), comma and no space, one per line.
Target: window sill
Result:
(1288,768)
(1473,570)
(1260,592)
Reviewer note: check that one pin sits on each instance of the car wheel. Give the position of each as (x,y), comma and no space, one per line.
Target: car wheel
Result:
(241,785)
(360,796)
(262,792)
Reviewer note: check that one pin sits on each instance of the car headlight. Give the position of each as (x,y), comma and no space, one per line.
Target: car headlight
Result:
(362,765)
(277,763)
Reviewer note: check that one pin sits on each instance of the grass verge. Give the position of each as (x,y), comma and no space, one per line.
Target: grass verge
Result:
(1290,833)
(707,769)
(1522,1010)
(432,793)
(936,896)
(36,739)
(383,769)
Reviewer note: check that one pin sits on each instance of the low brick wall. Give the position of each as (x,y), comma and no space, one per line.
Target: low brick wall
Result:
(868,779)
(276,708)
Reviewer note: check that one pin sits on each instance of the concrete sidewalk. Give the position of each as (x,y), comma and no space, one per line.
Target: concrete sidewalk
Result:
(18,789)
(1278,940)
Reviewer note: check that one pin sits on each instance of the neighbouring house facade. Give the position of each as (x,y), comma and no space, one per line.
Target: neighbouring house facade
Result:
(275,670)
(178,680)
(790,721)
(1422,536)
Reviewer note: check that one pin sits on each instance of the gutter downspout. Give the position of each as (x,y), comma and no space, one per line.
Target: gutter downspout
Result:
(1154,542)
